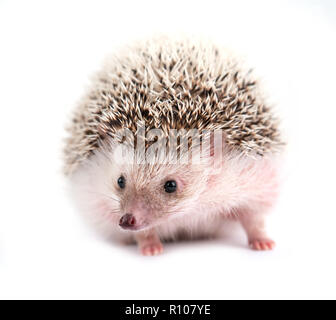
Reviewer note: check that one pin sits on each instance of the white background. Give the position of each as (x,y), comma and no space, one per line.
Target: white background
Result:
(48,49)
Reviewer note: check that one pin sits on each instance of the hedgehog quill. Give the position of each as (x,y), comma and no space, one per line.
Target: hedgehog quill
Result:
(173,137)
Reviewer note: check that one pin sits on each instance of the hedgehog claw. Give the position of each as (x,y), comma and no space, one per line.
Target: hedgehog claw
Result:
(262,244)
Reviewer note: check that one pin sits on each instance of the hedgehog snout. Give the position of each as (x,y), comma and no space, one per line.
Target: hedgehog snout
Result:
(127,221)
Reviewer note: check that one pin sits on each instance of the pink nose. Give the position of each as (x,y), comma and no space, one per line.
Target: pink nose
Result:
(127,221)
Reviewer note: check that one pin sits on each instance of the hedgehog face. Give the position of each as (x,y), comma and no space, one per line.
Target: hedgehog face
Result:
(149,195)
(135,196)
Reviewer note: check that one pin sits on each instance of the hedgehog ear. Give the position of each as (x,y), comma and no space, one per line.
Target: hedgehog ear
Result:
(216,143)
(213,147)
(217,149)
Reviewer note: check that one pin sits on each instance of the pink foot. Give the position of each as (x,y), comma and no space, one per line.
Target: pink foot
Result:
(152,249)
(262,244)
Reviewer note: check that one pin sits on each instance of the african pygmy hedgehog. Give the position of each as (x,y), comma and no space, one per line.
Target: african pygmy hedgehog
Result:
(173,137)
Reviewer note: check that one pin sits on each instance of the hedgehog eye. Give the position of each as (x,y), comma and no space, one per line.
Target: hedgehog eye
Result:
(170,186)
(121,182)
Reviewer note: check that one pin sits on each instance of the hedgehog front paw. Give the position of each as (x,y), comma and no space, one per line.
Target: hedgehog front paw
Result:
(149,243)
(151,249)
(262,244)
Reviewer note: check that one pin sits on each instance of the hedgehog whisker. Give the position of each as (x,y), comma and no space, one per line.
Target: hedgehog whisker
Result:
(104,195)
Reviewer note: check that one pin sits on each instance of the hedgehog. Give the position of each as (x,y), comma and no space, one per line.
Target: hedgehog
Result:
(173,138)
